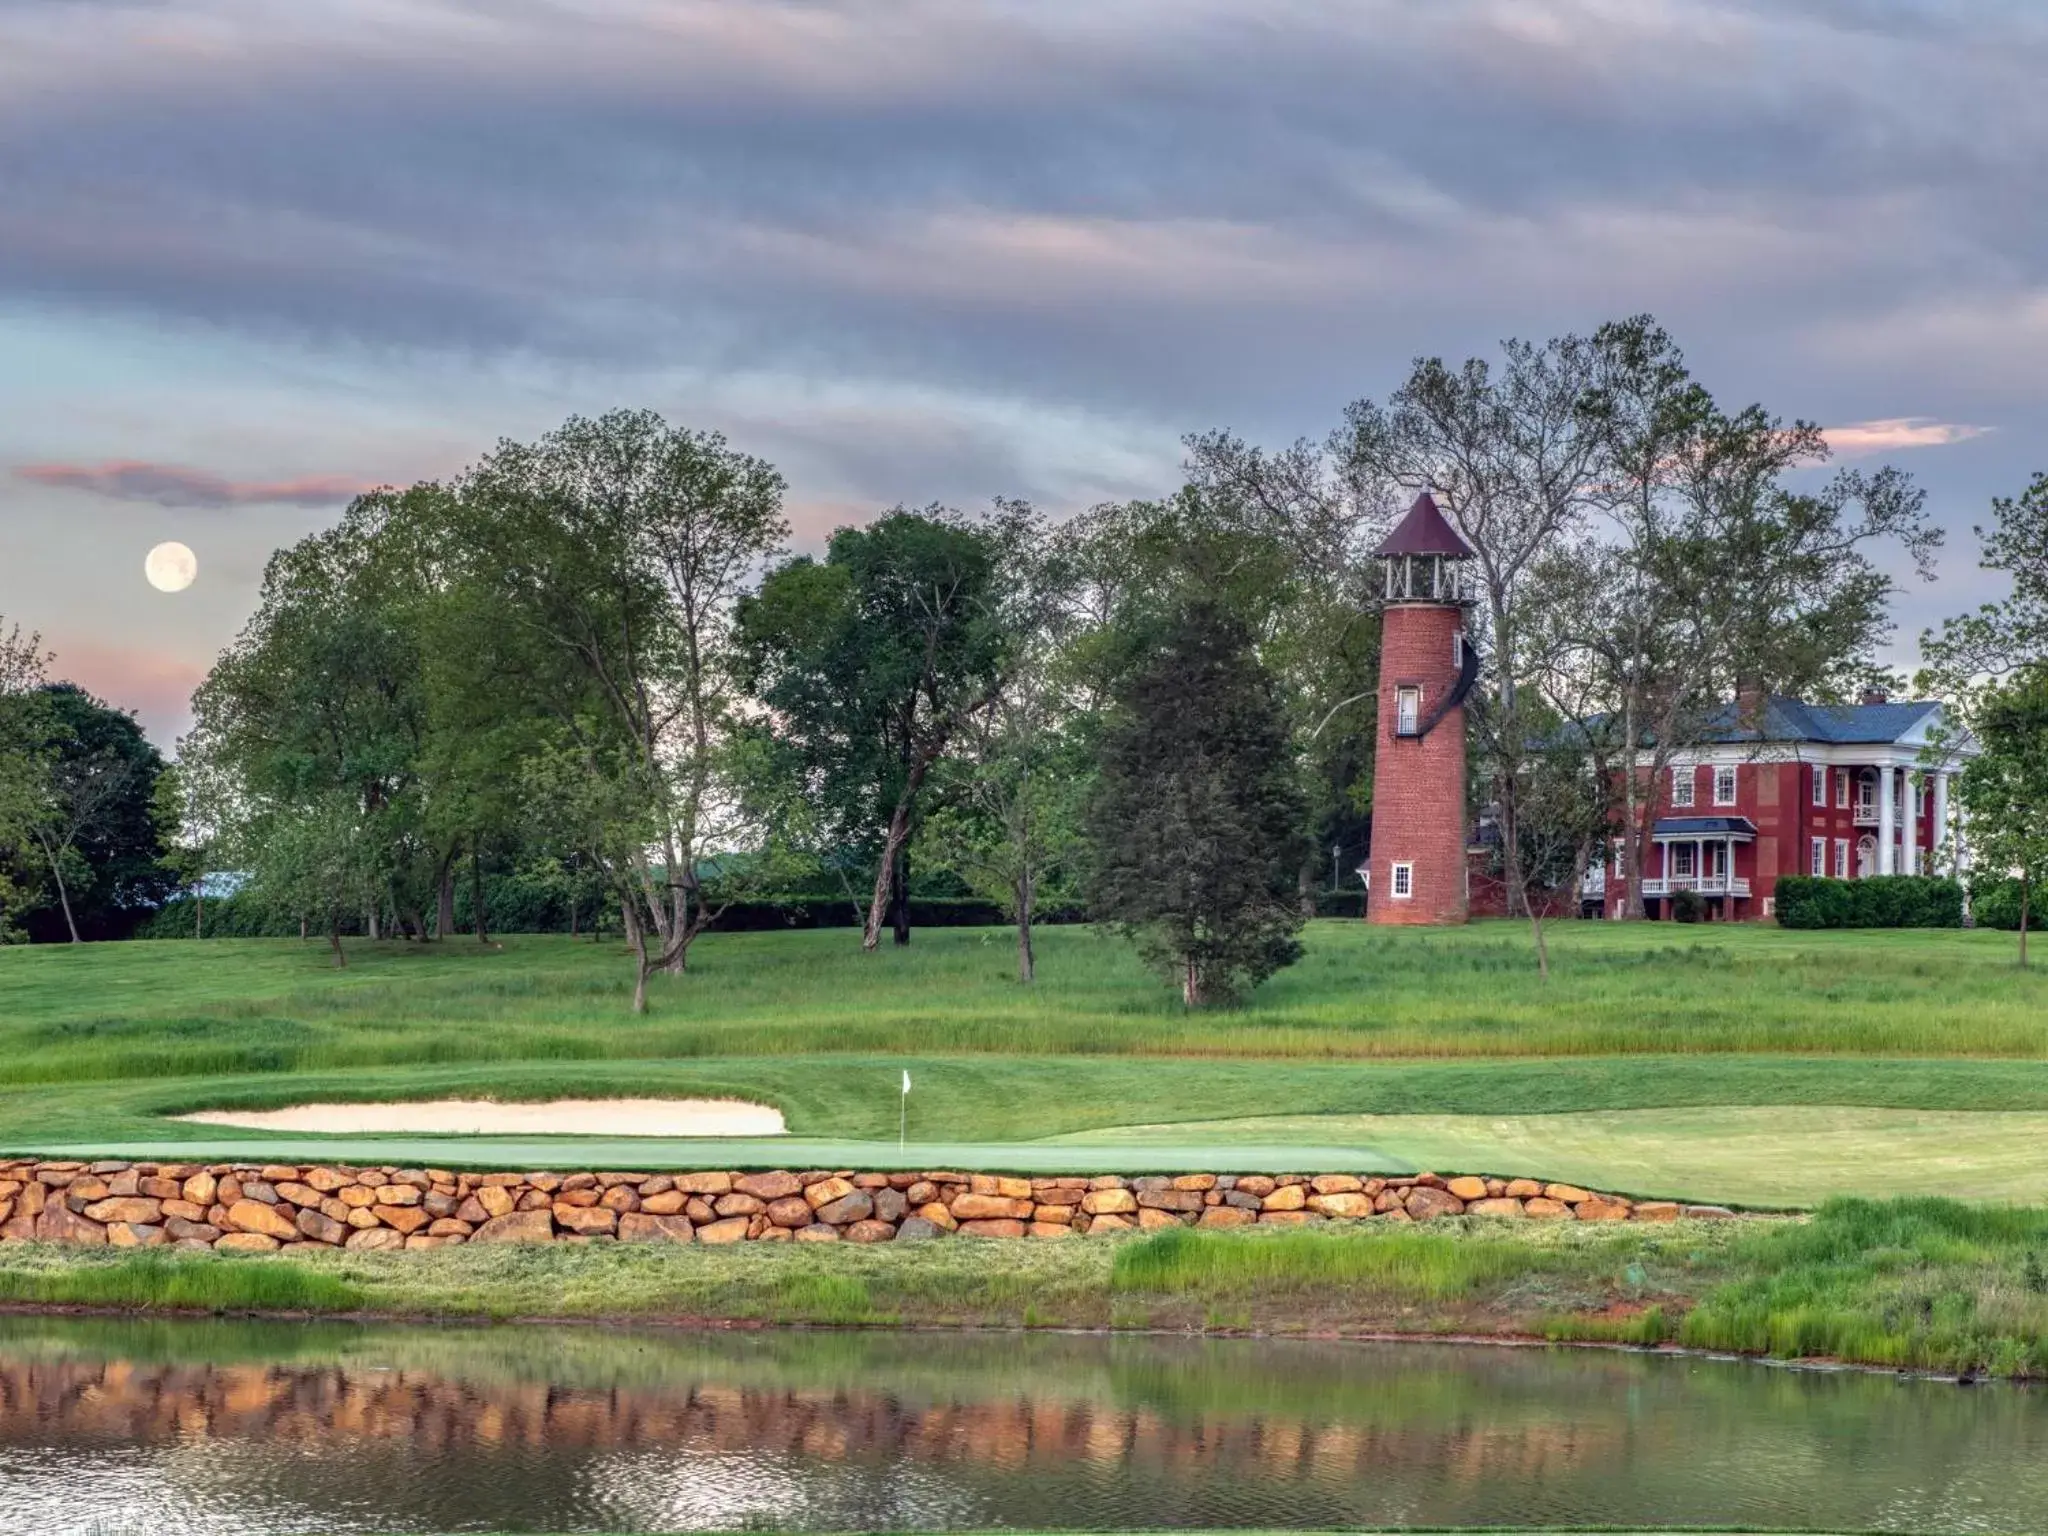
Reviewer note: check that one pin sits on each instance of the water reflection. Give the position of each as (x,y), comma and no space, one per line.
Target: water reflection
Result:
(269,1428)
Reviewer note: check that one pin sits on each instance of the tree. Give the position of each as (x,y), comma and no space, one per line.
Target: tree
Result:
(2004,788)
(312,726)
(1708,575)
(97,830)
(24,763)
(1566,816)
(874,660)
(2012,632)
(602,569)
(1197,817)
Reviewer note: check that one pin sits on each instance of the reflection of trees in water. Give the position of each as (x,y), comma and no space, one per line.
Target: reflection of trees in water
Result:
(1027,1431)
(59,1399)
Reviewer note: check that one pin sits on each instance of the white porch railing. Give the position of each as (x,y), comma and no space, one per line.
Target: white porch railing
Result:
(1703,885)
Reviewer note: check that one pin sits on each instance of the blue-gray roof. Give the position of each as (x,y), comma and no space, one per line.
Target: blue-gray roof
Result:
(1841,724)
(1704,826)
(1787,719)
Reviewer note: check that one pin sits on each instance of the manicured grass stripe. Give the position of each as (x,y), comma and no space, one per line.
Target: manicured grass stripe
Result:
(203,1282)
(570,1152)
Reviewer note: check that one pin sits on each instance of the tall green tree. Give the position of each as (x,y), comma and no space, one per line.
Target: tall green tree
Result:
(873,661)
(24,769)
(2004,787)
(1710,574)
(1197,820)
(96,827)
(601,570)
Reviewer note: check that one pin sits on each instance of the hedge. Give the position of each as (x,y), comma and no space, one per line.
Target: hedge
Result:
(1889,901)
(1996,904)
(516,906)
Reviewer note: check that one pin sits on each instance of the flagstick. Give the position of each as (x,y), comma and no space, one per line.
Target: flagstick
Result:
(903,1115)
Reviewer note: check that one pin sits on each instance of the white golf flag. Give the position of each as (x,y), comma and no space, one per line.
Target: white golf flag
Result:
(906,1082)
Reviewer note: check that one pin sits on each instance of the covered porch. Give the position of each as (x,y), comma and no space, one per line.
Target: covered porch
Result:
(1697,854)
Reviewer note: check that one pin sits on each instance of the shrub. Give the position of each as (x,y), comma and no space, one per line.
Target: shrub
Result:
(1686,907)
(1890,901)
(1996,904)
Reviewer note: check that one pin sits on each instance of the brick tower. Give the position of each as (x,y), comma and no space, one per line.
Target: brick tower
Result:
(1426,669)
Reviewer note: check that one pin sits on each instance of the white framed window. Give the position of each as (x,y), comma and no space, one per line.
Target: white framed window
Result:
(1681,860)
(1841,858)
(1458,649)
(1820,785)
(1724,784)
(1407,711)
(1683,783)
(1841,790)
(1620,858)
(1819,864)
(1404,881)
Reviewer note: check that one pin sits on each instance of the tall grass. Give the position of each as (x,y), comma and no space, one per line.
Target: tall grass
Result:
(1403,1265)
(202,1282)
(1919,1283)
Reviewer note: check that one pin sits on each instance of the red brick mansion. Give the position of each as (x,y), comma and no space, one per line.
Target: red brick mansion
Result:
(1787,788)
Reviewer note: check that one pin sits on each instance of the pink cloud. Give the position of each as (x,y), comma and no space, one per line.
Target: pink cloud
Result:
(157,687)
(1896,432)
(170,485)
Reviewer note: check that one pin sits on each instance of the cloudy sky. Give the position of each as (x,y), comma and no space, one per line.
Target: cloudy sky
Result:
(254,256)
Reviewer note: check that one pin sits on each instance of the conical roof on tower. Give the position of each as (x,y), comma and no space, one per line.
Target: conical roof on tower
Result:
(1424,532)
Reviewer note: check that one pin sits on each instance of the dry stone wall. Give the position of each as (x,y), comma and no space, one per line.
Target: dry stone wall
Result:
(251,1208)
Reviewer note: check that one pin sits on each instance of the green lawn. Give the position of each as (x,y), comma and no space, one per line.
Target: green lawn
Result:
(1394,1049)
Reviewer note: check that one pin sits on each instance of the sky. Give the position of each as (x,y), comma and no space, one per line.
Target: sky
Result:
(256,257)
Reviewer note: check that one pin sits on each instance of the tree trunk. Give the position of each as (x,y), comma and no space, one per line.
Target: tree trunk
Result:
(370,921)
(1542,949)
(476,894)
(1305,885)
(198,913)
(334,941)
(304,935)
(572,915)
(1190,982)
(899,898)
(63,895)
(2025,892)
(444,900)
(636,940)
(1027,963)
(887,867)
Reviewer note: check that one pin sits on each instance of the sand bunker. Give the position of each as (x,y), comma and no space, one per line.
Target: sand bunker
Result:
(481,1117)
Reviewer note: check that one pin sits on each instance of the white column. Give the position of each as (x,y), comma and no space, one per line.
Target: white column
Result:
(1912,849)
(1886,826)
(1941,832)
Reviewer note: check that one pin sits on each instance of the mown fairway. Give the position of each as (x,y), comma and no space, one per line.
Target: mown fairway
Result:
(1437,1036)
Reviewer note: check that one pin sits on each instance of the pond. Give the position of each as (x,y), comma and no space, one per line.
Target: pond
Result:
(116,1427)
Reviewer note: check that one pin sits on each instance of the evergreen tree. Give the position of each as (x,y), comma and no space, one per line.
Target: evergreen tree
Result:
(1198,814)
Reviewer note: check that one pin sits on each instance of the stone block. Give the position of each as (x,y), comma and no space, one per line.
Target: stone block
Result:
(639,1227)
(825,1191)
(585,1220)
(1285,1197)
(917,1229)
(668,1202)
(1467,1187)
(1544,1206)
(246,1242)
(973,1207)
(857,1206)
(1336,1184)
(1426,1202)
(255,1216)
(870,1231)
(517,1227)
(405,1219)
(1113,1201)
(1229,1216)
(1657,1210)
(936,1213)
(134,1209)
(322,1229)
(762,1186)
(1351,1206)
(731,1230)
(739,1204)
(375,1240)
(991,1227)
(1495,1205)
(817,1232)
(129,1234)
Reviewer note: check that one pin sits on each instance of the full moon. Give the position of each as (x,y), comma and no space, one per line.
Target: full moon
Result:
(171,567)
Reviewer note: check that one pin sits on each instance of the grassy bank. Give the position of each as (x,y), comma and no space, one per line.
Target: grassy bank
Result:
(1925,1284)
(110,1012)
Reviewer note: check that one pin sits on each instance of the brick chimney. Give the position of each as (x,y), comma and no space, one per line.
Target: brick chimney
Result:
(1876,696)
(1751,699)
